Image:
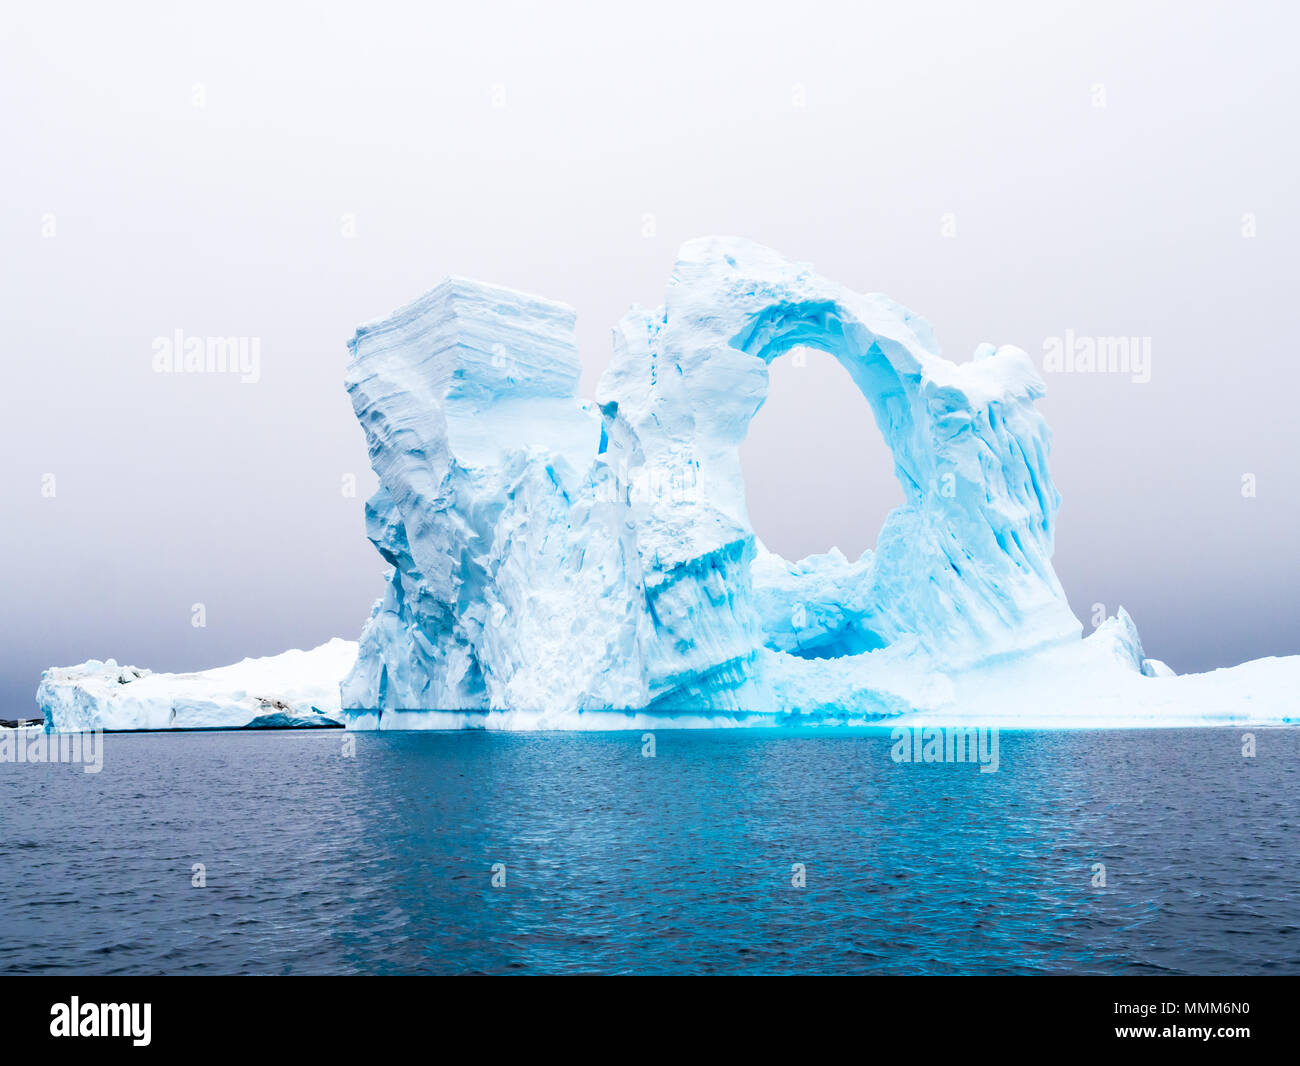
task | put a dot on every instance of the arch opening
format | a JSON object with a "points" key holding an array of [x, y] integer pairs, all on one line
{"points": [[818, 473]]}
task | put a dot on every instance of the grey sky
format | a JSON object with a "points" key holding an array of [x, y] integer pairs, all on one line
{"points": [[191, 166]]}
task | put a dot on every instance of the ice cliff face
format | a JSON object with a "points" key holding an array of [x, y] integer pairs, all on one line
{"points": [[551, 557]]}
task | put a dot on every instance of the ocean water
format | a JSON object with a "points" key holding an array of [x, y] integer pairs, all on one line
{"points": [[382, 862]]}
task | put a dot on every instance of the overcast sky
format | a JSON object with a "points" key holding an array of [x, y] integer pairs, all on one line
{"points": [[283, 172]]}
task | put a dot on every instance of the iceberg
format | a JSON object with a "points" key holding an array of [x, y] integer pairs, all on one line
{"points": [[562, 563], [555, 562], [292, 690]]}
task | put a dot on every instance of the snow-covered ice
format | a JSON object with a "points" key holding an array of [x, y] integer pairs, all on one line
{"points": [[296, 688]]}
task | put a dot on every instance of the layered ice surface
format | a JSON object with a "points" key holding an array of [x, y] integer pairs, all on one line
{"points": [[562, 563]]}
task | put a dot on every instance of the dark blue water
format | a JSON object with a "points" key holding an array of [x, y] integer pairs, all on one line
{"points": [[616, 863]]}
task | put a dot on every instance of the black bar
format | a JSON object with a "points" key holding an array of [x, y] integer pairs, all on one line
{"points": [[1244, 1016]]}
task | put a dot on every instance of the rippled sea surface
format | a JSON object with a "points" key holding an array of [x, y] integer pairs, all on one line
{"points": [[316, 862]]}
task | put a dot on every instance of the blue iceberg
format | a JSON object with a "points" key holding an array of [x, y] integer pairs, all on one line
{"points": [[562, 563]]}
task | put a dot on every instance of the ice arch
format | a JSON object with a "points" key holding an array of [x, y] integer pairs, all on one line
{"points": [[779, 329], [831, 606], [962, 568], [814, 607]]}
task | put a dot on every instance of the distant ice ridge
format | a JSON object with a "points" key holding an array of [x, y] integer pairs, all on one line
{"points": [[559, 563], [296, 688]]}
